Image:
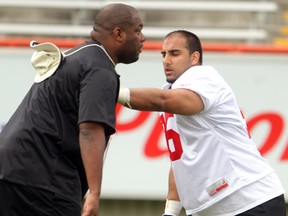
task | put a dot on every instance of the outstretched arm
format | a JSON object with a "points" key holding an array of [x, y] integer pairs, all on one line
{"points": [[177, 101]]}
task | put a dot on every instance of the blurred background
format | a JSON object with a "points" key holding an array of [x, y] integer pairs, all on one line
{"points": [[247, 41], [245, 21]]}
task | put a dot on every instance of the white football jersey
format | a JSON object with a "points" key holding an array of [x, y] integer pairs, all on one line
{"points": [[212, 153]]}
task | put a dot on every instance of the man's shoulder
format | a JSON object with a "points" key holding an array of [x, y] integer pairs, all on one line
{"points": [[83, 47]]}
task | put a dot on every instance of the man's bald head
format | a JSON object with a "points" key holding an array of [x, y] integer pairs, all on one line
{"points": [[118, 28], [114, 15]]}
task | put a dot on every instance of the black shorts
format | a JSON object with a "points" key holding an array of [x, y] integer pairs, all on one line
{"points": [[273, 207], [18, 200]]}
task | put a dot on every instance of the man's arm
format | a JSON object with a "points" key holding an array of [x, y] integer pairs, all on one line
{"points": [[173, 206], [92, 145], [172, 189], [176, 101]]}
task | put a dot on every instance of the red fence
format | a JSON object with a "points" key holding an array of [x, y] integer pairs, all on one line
{"points": [[151, 45]]}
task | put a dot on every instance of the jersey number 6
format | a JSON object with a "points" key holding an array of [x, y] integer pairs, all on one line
{"points": [[172, 137]]}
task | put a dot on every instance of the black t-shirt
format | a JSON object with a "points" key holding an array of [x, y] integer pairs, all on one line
{"points": [[39, 146]]}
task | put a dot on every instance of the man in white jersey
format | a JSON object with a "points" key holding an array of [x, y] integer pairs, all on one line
{"points": [[216, 169]]}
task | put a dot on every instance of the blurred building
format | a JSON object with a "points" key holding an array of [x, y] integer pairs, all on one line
{"points": [[245, 21]]}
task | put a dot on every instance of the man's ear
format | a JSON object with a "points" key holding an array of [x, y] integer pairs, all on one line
{"points": [[118, 34], [195, 58]]}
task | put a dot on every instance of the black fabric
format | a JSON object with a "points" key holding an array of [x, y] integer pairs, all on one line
{"points": [[273, 207], [39, 146], [18, 200]]}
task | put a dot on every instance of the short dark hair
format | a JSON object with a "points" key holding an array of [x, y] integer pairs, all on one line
{"points": [[193, 42]]}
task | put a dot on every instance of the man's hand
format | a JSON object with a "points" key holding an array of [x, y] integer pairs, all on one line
{"points": [[91, 205], [172, 208], [124, 96]]}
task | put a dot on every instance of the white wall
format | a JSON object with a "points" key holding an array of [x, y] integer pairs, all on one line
{"points": [[136, 165]]}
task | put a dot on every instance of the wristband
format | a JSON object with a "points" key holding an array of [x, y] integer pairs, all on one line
{"points": [[172, 207], [124, 96]]}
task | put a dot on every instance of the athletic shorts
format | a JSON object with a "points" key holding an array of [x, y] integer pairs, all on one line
{"points": [[18, 200], [275, 206]]}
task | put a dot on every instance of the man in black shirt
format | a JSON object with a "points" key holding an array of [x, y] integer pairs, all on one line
{"points": [[51, 150]]}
